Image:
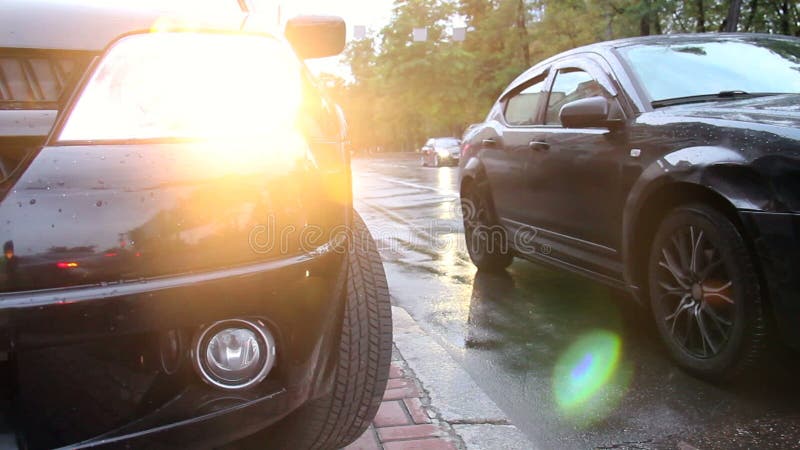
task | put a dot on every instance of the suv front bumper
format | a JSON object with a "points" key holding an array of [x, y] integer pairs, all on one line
{"points": [[89, 365]]}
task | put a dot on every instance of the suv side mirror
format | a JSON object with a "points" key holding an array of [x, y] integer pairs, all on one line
{"points": [[585, 113], [316, 36]]}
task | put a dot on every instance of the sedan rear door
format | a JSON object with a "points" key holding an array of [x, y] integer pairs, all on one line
{"points": [[507, 154]]}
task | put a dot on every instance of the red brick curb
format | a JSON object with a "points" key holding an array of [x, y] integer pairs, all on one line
{"points": [[403, 421]]}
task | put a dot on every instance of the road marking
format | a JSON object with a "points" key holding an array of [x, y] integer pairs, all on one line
{"points": [[450, 194]]}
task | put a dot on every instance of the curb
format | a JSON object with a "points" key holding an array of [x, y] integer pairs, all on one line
{"points": [[432, 403]]}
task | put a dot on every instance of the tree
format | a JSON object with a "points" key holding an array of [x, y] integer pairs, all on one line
{"points": [[402, 92], [731, 23]]}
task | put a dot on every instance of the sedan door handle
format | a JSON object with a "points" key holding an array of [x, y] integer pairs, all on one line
{"points": [[489, 142], [539, 146]]}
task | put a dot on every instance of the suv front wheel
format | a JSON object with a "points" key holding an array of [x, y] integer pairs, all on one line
{"points": [[705, 293], [365, 352]]}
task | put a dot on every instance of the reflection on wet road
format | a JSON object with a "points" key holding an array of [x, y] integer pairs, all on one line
{"points": [[573, 364]]}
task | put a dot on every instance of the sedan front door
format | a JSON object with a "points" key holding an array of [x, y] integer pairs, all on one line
{"points": [[573, 177]]}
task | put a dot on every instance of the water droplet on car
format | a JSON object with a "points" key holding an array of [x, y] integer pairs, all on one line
{"points": [[33, 201], [99, 203]]}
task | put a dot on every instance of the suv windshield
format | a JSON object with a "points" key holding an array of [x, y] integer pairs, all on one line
{"points": [[691, 69]]}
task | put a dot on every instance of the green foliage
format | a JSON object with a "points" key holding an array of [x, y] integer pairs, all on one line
{"points": [[403, 92]]}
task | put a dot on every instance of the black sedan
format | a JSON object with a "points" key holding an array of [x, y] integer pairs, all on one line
{"points": [[667, 167], [440, 151], [182, 266]]}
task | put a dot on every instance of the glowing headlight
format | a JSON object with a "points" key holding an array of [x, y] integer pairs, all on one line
{"points": [[234, 354], [443, 153], [188, 85]]}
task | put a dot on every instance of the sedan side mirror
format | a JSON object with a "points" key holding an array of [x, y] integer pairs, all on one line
{"points": [[585, 113], [316, 36]]}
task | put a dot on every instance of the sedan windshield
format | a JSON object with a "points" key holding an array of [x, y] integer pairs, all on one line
{"points": [[716, 69], [447, 142]]}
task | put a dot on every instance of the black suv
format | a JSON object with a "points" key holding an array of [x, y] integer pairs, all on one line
{"points": [[661, 166], [181, 262]]}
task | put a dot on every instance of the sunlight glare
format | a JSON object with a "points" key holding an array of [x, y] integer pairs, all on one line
{"points": [[177, 85]]}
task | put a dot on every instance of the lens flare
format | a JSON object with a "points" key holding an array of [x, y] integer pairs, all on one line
{"points": [[584, 371]]}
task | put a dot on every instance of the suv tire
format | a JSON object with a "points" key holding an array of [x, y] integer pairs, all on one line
{"points": [[365, 352]]}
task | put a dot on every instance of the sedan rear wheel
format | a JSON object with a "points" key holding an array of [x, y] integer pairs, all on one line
{"points": [[487, 241], [705, 294]]}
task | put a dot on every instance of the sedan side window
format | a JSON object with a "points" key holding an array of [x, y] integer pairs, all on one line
{"points": [[571, 85], [523, 108]]}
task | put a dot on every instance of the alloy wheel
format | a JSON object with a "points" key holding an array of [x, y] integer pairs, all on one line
{"points": [[695, 293]]}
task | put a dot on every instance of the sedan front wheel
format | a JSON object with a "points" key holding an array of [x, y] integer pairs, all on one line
{"points": [[705, 294]]}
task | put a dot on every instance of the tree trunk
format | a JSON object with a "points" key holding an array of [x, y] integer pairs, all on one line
{"points": [[656, 21], [751, 15], [522, 18], [785, 17], [731, 22], [701, 16]]}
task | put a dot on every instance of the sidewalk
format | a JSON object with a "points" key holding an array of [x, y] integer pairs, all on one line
{"points": [[431, 403], [405, 420]]}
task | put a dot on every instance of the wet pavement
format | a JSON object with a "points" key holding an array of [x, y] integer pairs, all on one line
{"points": [[572, 363]]}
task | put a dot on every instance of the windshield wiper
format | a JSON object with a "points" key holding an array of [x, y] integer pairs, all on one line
{"points": [[722, 95]]}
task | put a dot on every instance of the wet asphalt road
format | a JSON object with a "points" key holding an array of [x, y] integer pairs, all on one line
{"points": [[513, 333]]}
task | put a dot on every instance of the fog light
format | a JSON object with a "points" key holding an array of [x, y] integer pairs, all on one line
{"points": [[234, 354]]}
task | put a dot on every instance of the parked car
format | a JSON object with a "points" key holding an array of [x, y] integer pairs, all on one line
{"points": [[440, 151], [182, 266], [660, 166]]}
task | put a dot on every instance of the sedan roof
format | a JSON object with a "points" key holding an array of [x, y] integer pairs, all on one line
{"points": [[606, 47], [43, 24]]}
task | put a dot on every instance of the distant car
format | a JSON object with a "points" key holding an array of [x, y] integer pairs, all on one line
{"points": [[441, 151], [182, 266], [667, 167]]}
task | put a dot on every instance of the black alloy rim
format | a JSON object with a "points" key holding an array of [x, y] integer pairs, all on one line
{"points": [[695, 293]]}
